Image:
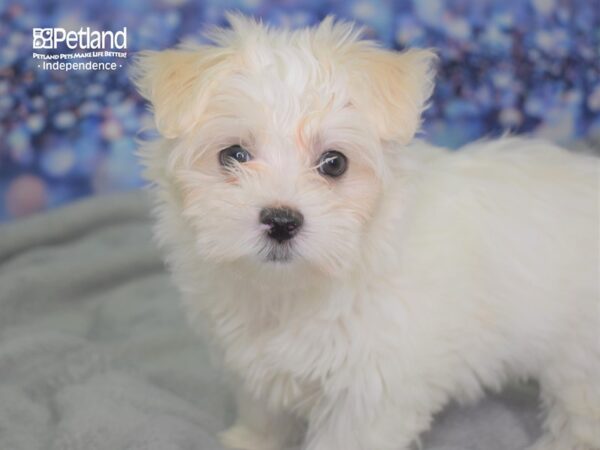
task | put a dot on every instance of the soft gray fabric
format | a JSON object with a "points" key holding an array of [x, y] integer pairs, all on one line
{"points": [[95, 353]]}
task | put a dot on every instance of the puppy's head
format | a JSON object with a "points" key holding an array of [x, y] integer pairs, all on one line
{"points": [[275, 143]]}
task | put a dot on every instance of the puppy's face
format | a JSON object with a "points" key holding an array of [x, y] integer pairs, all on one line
{"points": [[276, 141]]}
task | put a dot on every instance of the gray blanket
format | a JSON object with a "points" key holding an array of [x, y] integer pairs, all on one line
{"points": [[95, 353]]}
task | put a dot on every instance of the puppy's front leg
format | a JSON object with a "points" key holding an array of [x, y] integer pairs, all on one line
{"points": [[366, 416], [256, 428]]}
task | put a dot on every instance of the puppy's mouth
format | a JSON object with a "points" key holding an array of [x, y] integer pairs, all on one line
{"points": [[278, 253]]}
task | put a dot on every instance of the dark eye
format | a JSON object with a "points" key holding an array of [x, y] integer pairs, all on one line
{"points": [[230, 155], [332, 163]]}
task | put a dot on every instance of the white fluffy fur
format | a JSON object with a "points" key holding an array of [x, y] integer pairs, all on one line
{"points": [[421, 275]]}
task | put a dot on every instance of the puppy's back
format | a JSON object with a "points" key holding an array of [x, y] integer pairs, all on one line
{"points": [[512, 222]]}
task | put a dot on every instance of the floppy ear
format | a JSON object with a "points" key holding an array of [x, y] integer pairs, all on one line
{"points": [[178, 84], [393, 89]]}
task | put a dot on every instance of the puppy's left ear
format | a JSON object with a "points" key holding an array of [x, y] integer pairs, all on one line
{"points": [[393, 88], [178, 84]]}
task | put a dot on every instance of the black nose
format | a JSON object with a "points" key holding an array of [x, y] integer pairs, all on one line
{"points": [[283, 223]]}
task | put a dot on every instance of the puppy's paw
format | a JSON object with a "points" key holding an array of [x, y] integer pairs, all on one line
{"points": [[241, 437]]}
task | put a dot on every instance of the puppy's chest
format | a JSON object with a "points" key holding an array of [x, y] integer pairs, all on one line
{"points": [[287, 363]]}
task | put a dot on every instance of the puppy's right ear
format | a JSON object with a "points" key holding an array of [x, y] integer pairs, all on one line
{"points": [[178, 84]]}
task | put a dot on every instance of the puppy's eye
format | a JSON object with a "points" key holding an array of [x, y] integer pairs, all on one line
{"points": [[332, 163], [228, 156]]}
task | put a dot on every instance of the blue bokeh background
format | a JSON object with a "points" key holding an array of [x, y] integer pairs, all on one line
{"points": [[526, 66]]}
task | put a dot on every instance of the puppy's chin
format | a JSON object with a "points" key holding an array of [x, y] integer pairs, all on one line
{"points": [[277, 269], [279, 253], [284, 256], [291, 262], [294, 259]]}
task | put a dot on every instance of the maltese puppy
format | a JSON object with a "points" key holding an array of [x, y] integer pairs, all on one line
{"points": [[356, 280]]}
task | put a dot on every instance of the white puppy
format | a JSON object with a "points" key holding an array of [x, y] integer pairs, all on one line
{"points": [[355, 281]]}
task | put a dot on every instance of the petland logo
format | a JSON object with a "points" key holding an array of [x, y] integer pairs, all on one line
{"points": [[95, 44], [85, 38]]}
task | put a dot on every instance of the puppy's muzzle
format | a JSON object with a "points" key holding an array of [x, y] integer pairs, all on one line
{"points": [[283, 223]]}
